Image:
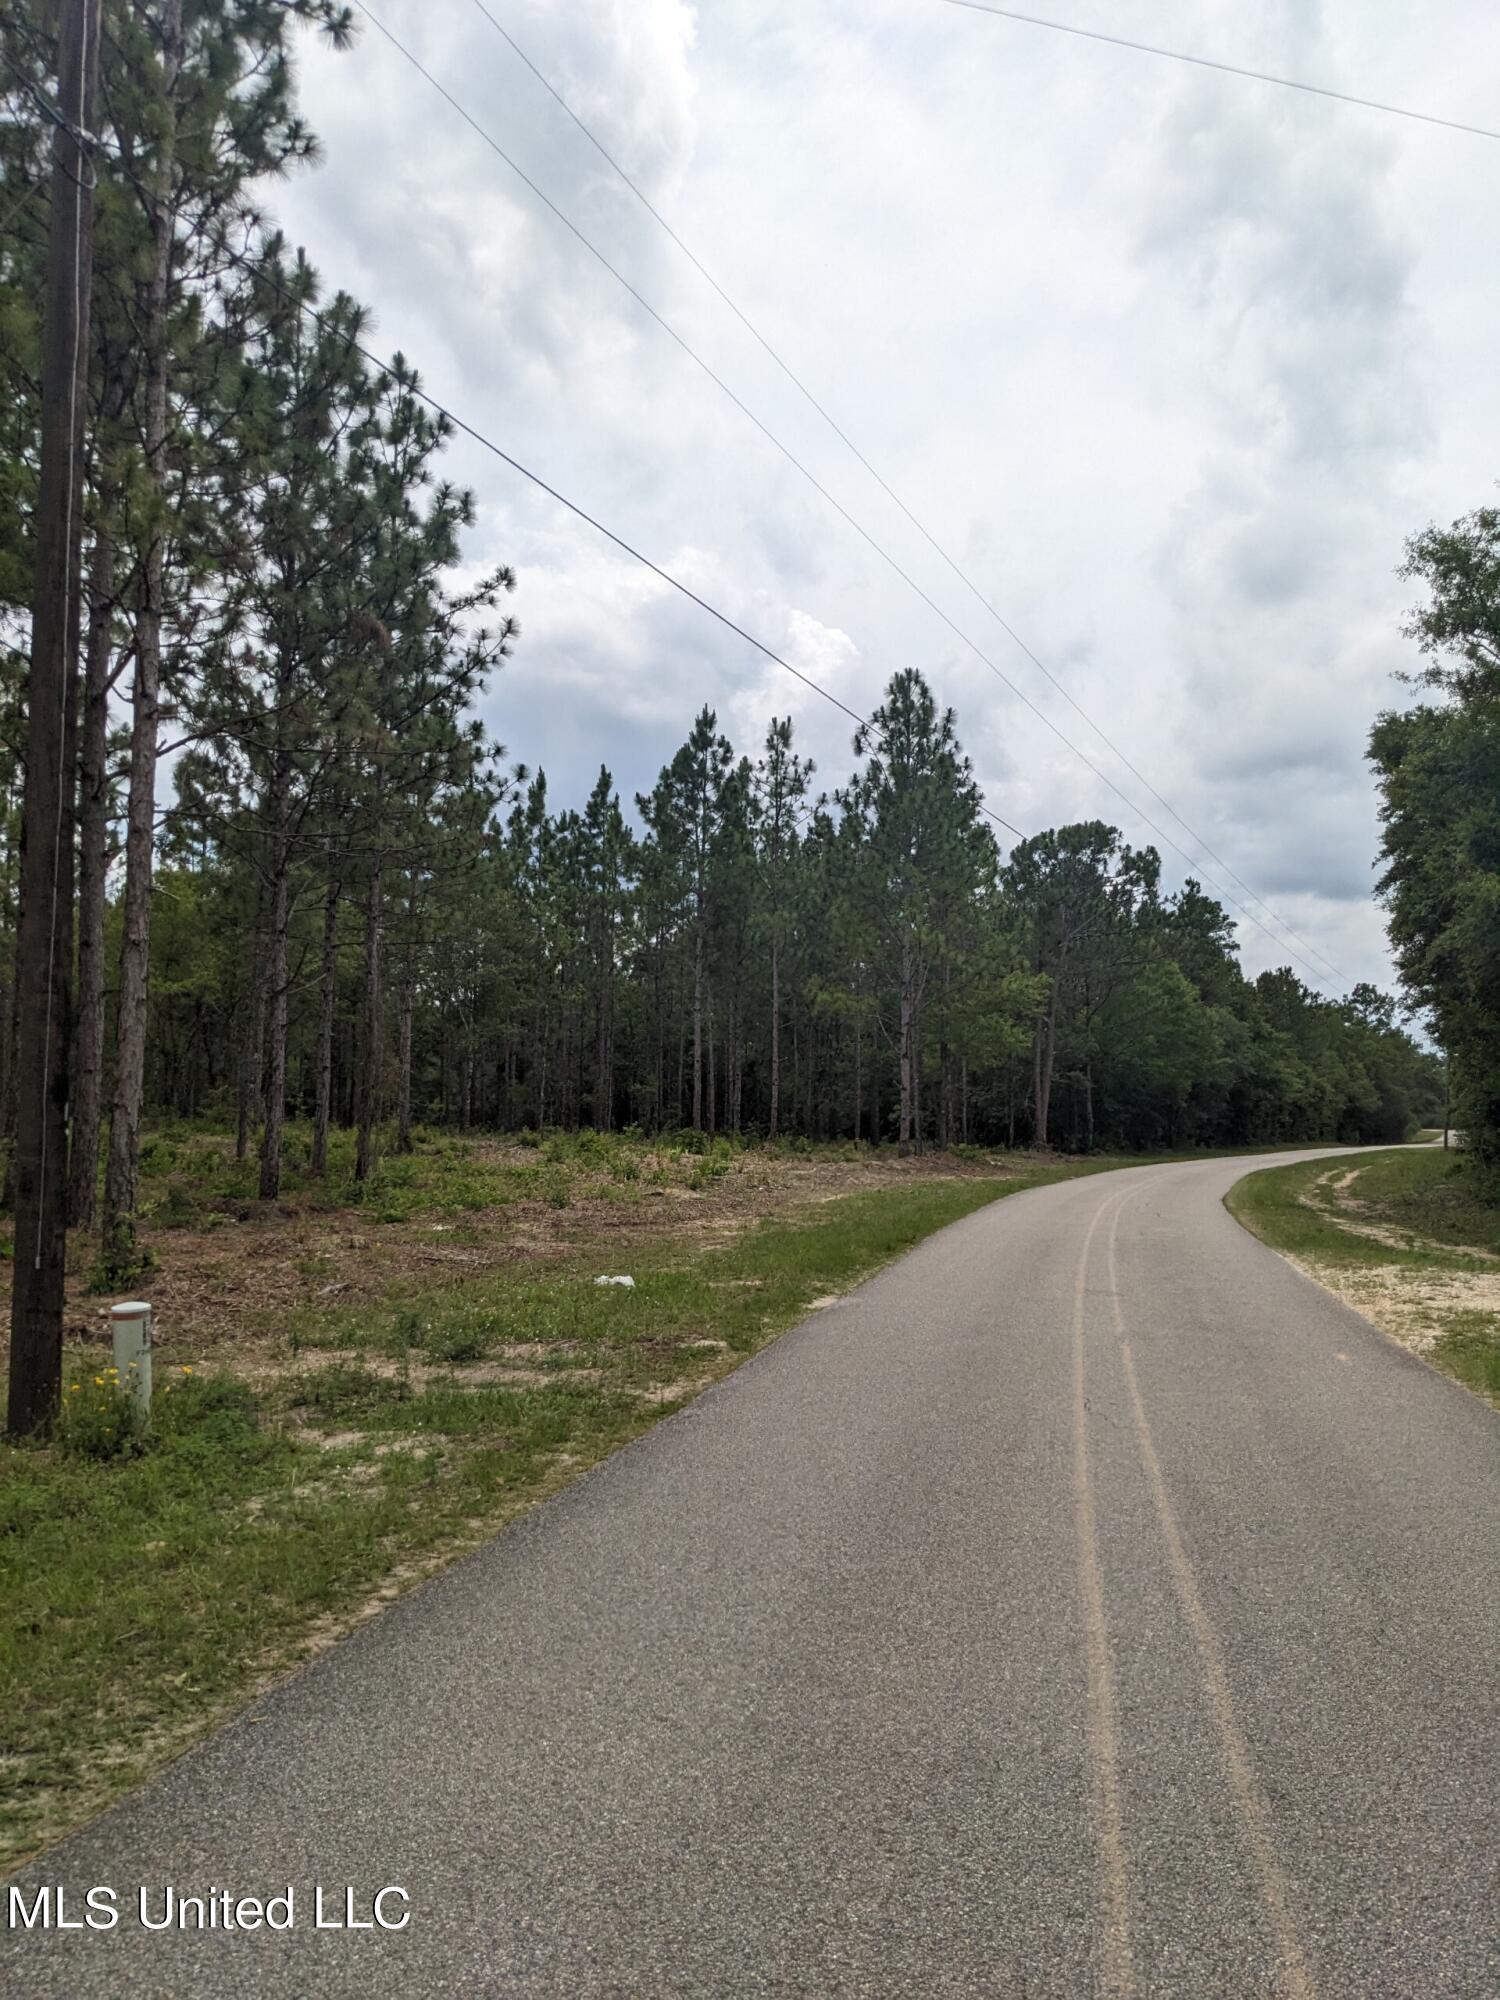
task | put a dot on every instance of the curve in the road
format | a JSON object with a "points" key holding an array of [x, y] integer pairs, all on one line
{"points": [[1089, 1604]]}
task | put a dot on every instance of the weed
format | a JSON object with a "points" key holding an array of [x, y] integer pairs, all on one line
{"points": [[100, 1418], [345, 1386], [1470, 1349], [456, 1344]]}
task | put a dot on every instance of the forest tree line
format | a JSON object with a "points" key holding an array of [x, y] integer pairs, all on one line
{"points": [[348, 906], [744, 956]]}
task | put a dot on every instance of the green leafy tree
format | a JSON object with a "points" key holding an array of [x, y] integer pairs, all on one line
{"points": [[1438, 766]]}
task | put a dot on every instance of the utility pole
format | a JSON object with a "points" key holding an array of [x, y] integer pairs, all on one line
{"points": [[44, 946]]}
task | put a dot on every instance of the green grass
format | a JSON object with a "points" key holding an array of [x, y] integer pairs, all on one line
{"points": [[148, 1591], [1470, 1349], [1434, 1195], [1422, 1195], [1426, 1200], [190, 1178]]}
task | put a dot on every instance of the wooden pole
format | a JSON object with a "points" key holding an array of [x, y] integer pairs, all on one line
{"points": [[44, 946]]}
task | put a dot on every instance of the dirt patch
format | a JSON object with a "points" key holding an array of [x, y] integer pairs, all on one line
{"points": [[231, 1290], [673, 1392], [1414, 1307], [420, 1373], [1355, 1215]]}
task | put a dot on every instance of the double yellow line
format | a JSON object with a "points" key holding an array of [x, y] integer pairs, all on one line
{"points": [[1116, 1957]]}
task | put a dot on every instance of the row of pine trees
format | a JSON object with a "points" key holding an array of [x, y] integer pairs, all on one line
{"points": [[308, 885], [742, 954]]}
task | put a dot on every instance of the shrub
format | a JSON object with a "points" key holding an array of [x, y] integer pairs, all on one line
{"points": [[100, 1418], [455, 1343]]}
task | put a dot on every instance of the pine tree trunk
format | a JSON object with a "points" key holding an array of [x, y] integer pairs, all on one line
{"points": [[44, 934], [255, 1021], [404, 1029], [327, 995], [774, 1123], [908, 1094], [86, 1094], [403, 1079], [736, 1069], [274, 1108], [604, 1053], [542, 1045], [12, 1031], [917, 1134], [858, 1057], [369, 1075], [712, 1098], [1043, 1053], [8, 1079], [122, 1171], [698, 1019]]}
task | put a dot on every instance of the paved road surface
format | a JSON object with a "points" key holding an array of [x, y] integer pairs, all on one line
{"points": [[1087, 1606]]}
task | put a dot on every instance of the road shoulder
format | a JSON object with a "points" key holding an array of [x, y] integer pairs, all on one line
{"points": [[1403, 1238]]}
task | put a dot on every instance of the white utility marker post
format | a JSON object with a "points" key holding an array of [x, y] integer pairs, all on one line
{"points": [[131, 1325]]}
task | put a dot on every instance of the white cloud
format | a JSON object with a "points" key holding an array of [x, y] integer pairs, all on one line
{"points": [[1171, 363]]}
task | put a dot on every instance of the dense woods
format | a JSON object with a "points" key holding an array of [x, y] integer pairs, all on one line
{"points": [[865, 965], [310, 888], [1439, 771]]}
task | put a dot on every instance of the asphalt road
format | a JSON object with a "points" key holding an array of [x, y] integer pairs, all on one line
{"points": [[1089, 1605]]}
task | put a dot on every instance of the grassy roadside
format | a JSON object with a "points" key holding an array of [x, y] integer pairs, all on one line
{"points": [[1403, 1238], [288, 1495], [355, 1385]]}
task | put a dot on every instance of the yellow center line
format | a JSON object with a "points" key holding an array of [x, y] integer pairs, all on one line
{"points": [[1117, 1968], [1250, 1803]]}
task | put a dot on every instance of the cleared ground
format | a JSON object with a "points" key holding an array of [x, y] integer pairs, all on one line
{"points": [[357, 1384]]}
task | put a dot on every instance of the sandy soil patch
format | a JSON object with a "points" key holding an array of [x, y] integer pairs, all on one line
{"points": [[1414, 1307]]}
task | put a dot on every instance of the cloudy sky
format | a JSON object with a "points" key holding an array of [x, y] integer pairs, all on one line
{"points": [[1169, 363]]}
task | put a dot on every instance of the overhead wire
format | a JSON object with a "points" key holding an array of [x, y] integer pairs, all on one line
{"points": [[786, 369], [1224, 68], [666, 576], [494, 145], [413, 387]]}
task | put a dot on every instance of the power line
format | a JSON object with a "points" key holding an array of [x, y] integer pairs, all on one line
{"points": [[973, 646], [656, 569], [1224, 68], [84, 182], [306, 307], [479, 437], [754, 331]]}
